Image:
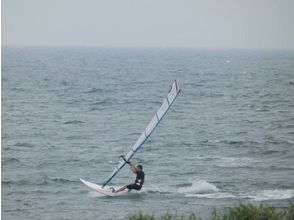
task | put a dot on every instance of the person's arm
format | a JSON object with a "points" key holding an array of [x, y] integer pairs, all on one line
{"points": [[133, 168]]}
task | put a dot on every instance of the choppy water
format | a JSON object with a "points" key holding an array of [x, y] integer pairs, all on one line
{"points": [[69, 113]]}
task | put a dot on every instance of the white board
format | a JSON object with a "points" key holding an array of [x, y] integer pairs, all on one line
{"points": [[104, 190]]}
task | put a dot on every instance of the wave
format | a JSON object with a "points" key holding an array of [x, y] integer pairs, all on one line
{"points": [[236, 162], [263, 195], [14, 182], [204, 189], [16, 89], [45, 180], [100, 102], [155, 189], [94, 90], [73, 122], [229, 161], [48, 181], [10, 160], [199, 187], [270, 152], [19, 144], [218, 195], [276, 194], [63, 180], [232, 142]]}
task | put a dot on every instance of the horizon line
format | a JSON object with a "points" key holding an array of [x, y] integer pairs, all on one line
{"points": [[143, 47]]}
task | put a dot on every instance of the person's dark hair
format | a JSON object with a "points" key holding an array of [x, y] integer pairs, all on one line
{"points": [[140, 166]]}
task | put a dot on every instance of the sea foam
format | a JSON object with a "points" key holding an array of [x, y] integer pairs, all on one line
{"points": [[199, 187], [276, 194]]}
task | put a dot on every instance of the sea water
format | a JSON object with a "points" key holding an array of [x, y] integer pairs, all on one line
{"points": [[69, 113]]}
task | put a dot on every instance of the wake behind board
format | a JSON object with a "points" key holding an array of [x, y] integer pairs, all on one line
{"points": [[104, 190]]}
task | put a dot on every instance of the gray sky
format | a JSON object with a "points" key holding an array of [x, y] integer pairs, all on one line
{"points": [[149, 23]]}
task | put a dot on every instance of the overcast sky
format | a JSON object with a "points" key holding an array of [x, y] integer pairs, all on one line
{"points": [[149, 23]]}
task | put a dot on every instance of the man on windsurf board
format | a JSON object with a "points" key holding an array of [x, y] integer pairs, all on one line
{"points": [[137, 185]]}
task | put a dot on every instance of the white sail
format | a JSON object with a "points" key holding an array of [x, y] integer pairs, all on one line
{"points": [[167, 102]]}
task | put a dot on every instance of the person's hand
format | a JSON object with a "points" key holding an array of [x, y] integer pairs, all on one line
{"points": [[124, 158]]}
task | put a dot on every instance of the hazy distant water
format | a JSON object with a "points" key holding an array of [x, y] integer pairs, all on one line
{"points": [[69, 113]]}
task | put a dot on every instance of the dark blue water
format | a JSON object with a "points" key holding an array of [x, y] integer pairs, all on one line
{"points": [[70, 113]]}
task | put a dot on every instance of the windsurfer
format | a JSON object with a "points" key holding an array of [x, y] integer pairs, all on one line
{"points": [[137, 185]]}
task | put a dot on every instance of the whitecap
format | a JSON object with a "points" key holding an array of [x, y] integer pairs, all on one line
{"points": [[276, 194], [199, 187], [218, 195]]}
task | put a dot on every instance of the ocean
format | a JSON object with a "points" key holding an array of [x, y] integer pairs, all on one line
{"points": [[69, 113]]}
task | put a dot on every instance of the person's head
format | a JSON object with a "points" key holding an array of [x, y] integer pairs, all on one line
{"points": [[139, 168]]}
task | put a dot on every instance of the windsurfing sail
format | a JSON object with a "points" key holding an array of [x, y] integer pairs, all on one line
{"points": [[167, 102]]}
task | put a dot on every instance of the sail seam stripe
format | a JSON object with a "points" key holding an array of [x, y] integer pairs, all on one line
{"points": [[157, 117], [167, 100]]}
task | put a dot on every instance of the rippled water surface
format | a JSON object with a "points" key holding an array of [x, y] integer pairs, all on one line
{"points": [[70, 113]]}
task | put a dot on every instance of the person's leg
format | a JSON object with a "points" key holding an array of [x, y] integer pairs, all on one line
{"points": [[119, 190]]}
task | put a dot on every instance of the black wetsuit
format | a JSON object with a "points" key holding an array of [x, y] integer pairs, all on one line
{"points": [[137, 185]]}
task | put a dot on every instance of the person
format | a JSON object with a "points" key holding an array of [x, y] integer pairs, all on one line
{"points": [[137, 185]]}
